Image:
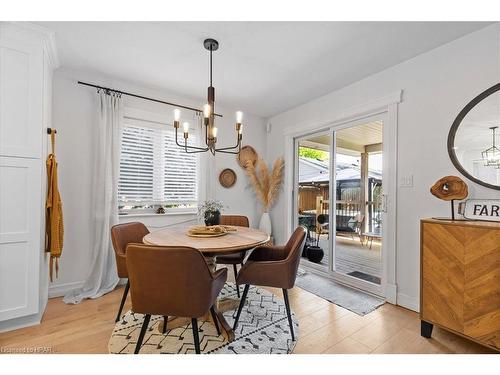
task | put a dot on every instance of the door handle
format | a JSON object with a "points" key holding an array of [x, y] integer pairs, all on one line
{"points": [[384, 203]]}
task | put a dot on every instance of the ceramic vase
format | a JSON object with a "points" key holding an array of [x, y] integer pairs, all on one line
{"points": [[265, 223]]}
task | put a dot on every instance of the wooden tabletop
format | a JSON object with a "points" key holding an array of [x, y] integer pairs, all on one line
{"points": [[233, 242]]}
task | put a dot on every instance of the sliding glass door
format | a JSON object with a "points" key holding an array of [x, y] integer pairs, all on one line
{"points": [[343, 211], [313, 163]]}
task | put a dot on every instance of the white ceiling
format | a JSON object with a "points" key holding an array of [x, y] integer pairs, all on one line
{"points": [[354, 138], [261, 67]]}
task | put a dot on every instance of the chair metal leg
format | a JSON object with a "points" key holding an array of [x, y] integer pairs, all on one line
{"points": [[194, 324], [124, 298], [214, 318], [235, 269], [144, 327], [165, 320], [240, 307], [288, 312]]}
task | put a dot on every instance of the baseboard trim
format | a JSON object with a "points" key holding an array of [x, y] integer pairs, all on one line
{"points": [[411, 303], [22, 322], [62, 289], [391, 293]]}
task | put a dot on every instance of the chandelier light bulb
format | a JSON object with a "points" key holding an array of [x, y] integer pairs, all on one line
{"points": [[239, 117], [206, 110], [494, 157], [186, 127], [177, 114]]}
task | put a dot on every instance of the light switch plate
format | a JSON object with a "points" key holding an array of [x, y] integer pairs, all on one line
{"points": [[406, 181]]}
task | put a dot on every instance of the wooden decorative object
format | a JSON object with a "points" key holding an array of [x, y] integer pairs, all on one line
{"points": [[227, 178], [450, 188], [209, 231], [460, 268], [247, 154], [206, 235]]}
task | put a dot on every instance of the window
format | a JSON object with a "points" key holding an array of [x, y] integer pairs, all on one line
{"points": [[154, 171]]}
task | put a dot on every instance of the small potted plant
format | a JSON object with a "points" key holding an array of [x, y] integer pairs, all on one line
{"points": [[210, 212]]}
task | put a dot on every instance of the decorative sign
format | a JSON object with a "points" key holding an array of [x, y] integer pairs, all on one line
{"points": [[480, 209]]}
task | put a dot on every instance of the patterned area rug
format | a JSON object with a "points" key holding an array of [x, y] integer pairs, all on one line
{"points": [[262, 329]]}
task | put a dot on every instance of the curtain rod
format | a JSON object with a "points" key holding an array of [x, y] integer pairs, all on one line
{"points": [[143, 97]]}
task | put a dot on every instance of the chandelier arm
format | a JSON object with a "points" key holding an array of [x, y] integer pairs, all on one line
{"points": [[227, 148], [195, 152], [195, 149], [186, 145], [238, 144], [227, 152]]}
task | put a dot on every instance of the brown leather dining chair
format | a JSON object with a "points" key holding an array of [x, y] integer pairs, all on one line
{"points": [[237, 258], [172, 281], [273, 266], [121, 236]]}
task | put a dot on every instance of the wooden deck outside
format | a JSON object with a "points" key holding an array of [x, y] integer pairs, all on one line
{"points": [[352, 256]]}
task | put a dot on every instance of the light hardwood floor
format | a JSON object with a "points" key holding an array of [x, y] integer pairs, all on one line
{"points": [[324, 328]]}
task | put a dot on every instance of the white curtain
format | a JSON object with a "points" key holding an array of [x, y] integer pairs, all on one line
{"points": [[103, 277]]}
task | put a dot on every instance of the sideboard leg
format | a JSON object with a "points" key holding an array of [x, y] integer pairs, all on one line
{"points": [[426, 329]]}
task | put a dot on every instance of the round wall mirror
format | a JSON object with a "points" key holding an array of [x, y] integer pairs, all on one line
{"points": [[474, 139]]}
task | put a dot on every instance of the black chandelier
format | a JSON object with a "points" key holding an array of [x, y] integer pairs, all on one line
{"points": [[491, 156], [208, 119]]}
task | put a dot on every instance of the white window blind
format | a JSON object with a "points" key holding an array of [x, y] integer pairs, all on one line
{"points": [[153, 169]]}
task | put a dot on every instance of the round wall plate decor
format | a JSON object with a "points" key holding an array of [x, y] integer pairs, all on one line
{"points": [[227, 178], [247, 154]]}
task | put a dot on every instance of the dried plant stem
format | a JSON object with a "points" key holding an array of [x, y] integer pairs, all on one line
{"points": [[266, 185]]}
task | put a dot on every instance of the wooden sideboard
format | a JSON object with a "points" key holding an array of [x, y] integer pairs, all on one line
{"points": [[460, 279]]}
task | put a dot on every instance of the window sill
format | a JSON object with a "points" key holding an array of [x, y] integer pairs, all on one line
{"points": [[152, 214]]}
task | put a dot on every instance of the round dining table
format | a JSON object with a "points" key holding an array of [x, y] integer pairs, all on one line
{"points": [[241, 239]]}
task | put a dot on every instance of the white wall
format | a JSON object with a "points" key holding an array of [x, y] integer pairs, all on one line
{"points": [[73, 113], [436, 85]]}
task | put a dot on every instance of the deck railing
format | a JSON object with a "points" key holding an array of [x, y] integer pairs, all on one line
{"points": [[345, 211]]}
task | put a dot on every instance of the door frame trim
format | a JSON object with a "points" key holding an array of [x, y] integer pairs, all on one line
{"points": [[387, 104]]}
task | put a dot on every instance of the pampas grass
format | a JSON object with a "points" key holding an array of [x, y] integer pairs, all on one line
{"points": [[265, 184]]}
